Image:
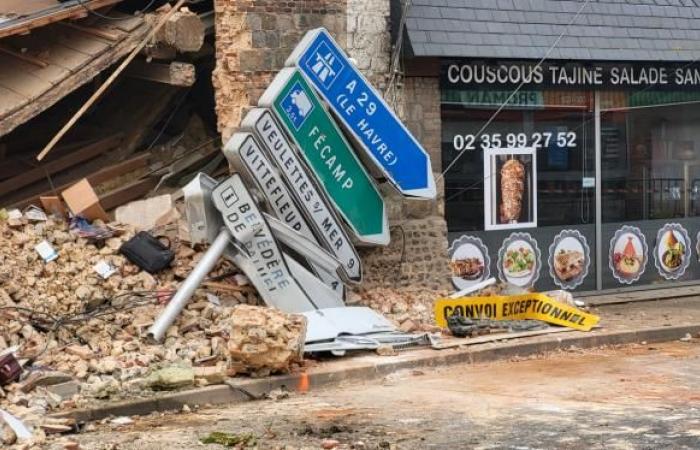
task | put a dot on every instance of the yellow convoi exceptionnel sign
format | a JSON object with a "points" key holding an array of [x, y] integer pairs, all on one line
{"points": [[515, 307]]}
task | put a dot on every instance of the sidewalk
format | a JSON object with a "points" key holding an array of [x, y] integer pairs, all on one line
{"points": [[653, 321]]}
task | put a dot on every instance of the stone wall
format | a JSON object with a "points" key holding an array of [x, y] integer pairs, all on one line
{"points": [[369, 39], [253, 40], [424, 249]]}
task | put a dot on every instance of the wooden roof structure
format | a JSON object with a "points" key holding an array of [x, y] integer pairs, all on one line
{"points": [[21, 16], [40, 68]]}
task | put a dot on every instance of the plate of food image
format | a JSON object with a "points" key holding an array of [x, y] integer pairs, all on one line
{"points": [[569, 259], [469, 261], [628, 254], [627, 262], [672, 250], [519, 261], [468, 268], [568, 264]]}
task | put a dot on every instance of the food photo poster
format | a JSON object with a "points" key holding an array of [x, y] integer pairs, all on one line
{"points": [[510, 188]]}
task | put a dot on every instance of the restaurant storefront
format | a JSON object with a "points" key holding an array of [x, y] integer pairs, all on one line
{"points": [[587, 178]]}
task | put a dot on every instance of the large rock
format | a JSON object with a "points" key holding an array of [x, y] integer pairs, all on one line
{"points": [[264, 340], [173, 377]]}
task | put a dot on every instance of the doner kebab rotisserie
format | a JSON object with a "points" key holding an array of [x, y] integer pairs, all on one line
{"points": [[512, 188]]}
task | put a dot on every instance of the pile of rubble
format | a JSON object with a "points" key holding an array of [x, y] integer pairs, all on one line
{"points": [[81, 336], [410, 309]]}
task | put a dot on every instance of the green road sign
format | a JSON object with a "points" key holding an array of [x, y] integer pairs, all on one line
{"points": [[329, 155]]}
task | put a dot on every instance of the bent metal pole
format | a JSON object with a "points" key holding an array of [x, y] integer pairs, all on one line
{"points": [[180, 299]]}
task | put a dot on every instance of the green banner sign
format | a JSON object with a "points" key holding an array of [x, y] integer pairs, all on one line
{"points": [[329, 155]]}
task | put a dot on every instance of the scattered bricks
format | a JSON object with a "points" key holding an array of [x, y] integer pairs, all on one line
{"points": [[170, 378], [81, 351], [210, 375], [264, 340], [65, 390], [43, 379], [386, 350], [329, 444], [7, 435]]}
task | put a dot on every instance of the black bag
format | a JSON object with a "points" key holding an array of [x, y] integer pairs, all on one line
{"points": [[147, 252]]}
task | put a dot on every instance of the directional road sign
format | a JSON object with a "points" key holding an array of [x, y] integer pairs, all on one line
{"points": [[247, 225], [364, 114], [313, 201], [329, 155], [246, 154]]}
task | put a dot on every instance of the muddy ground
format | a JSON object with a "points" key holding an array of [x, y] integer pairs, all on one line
{"points": [[632, 397]]}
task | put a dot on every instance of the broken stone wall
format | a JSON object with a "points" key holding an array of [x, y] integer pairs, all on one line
{"points": [[254, 38]]}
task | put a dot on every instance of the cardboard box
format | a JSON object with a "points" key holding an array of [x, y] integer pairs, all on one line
{"points": [[83, 201], [53, 205]]}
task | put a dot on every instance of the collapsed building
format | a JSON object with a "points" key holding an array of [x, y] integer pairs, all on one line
{"points": [[75, 311]]}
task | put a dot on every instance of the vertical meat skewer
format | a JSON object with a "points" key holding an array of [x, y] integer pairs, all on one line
{"points": [[512, 189]]}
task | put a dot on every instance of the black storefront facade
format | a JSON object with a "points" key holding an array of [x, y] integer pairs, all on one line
{"points": [[574, 173]]}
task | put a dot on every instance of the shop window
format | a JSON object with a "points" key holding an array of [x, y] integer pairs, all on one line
{"points": [[565, 146], [520, 200], [651, 161]]}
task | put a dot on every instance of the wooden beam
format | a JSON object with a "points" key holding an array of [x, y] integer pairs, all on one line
{"points": [[183, 30], [70, 160], [24, 57], [175, 74], [125, 194], [45, 17], [99, 32], [161, 22], [106, 174]]}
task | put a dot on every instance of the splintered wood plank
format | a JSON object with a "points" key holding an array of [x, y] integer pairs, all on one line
{"points": [[83, 70], [70, 160], [26, 57], [24, 7], [40, 18], [26, 84], [67, 58], [74, 39], [51, 74], [96, 177], [129, 24], [104, 31], [124, 194], [10, 100], [53, 52]]}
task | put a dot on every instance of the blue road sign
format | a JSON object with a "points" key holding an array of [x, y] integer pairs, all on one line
{"points": [[364, 114]]}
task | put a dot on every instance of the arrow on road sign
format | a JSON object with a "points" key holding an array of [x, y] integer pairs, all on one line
{"points": [[364, 114], [313, 201], [329, 156]]}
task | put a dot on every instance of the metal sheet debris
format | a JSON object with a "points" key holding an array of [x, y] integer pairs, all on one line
{"points": [[327, 324]]}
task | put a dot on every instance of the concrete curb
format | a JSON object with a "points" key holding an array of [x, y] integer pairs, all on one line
{"points": [[249, 389]]}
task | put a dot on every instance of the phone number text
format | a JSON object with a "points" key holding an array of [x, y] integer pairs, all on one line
{"points": [[468, 142]]}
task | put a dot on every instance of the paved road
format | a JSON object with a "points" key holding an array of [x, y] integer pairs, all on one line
{"points": [[635, 397]]}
